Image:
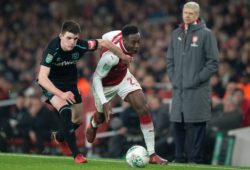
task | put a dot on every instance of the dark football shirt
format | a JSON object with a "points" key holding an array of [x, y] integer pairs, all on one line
{"points": [[62, 64]]}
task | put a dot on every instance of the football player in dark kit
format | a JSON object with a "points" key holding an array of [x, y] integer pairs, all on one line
{"points": [[58, 78]]}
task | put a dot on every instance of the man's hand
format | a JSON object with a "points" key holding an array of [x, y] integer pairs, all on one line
{"points": [[107, 111], [116, 50], [68, 96], [126, 59]]}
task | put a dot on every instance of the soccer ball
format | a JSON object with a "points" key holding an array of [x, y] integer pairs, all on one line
{"points": [[137, 156]]}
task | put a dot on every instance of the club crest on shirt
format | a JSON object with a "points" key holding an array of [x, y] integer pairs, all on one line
{"points": [[194, 41], [75, 56], [49, 58], [58, 59]]}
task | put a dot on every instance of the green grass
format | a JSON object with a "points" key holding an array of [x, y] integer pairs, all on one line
{"points": [[36, 162]]}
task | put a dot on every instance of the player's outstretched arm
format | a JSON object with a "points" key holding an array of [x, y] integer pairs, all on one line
{"points": [[114, 49], [105, 64], [97, 83]]}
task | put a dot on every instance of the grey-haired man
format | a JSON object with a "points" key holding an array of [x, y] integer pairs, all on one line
{"points": [[191, 60]]}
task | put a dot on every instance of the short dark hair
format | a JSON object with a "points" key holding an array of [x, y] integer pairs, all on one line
{"points": [[71, 26], [129, 29]]}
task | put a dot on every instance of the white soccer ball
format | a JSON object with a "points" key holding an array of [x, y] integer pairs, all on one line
{"points": [[137, 156]]}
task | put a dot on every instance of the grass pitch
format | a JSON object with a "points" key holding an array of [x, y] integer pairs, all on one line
{"points": [[36, 162]]}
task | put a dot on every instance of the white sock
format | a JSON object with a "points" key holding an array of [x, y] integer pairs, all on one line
{"points": [[149, 137], [94, 124]]}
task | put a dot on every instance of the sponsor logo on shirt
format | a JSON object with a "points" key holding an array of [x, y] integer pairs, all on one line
{"points": [[65, 63], [75, 56]]}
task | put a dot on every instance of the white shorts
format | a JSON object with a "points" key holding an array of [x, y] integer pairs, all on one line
{"points": [[127, 85]]}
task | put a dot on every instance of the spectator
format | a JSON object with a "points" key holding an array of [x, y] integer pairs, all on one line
{"points": [[243, 105], [4, 113], [228, 118], [36, 125], [19, 111], [225, 116]]}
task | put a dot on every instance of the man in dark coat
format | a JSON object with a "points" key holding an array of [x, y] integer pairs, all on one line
{"points": [[191, 60]]}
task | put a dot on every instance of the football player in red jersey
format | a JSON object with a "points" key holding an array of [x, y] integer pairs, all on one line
{"points": [[112, 77]]}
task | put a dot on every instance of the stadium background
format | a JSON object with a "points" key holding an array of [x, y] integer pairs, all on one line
{"points": [[27, 26]]}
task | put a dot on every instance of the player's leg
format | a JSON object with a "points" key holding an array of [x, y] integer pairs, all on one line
{"points": [[77, 110], [131, 91], [99, 117], [76, 117], [76, 122], [56, 136], [65, 114], [138, 102]]}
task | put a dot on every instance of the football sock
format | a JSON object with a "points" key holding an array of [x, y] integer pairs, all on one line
{"points": [[59, 136], [94, 121], [148, 132], [59, 133], [68, 129], [97, 120]]}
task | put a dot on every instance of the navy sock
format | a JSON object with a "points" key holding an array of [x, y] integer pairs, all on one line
{"points": [[59, 134], [68, 129]]}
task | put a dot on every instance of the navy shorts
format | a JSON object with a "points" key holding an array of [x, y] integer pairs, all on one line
{"points": [[74, 90]]}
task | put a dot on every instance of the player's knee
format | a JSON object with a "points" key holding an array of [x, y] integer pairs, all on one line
{"points": [[65, 110], [65, 113]]}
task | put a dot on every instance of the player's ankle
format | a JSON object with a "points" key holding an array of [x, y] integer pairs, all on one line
{"points": [[93, 123]]}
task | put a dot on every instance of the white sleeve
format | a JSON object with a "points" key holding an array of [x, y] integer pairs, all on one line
{"points": [[107, 61], [109, 35]]}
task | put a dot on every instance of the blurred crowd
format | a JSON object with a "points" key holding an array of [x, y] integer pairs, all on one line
{"points": [[27, 26], [28, 124]]}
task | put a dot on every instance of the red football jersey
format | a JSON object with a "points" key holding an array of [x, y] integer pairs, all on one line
{"points": [[118, 72]]}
